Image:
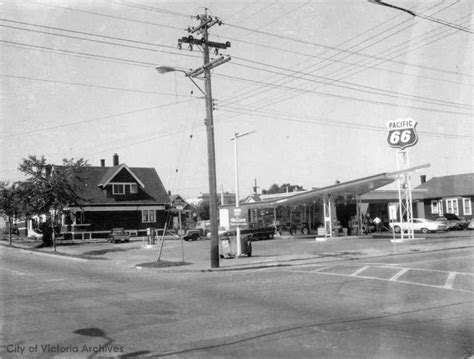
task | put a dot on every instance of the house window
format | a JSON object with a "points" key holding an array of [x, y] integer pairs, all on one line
{"points": [[466, 206], [452, 206], [148, 216], [118, 188], [133, 188], [434, 207]]}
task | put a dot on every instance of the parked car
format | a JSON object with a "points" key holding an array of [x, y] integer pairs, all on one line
{"points": [[471, 224], [193, 234], [420, 225], [452, 221], [463, 222], [14, 229], [118, 235]]}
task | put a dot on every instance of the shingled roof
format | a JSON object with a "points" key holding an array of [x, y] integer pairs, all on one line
{"points": [[449, 186], [89, 178]]}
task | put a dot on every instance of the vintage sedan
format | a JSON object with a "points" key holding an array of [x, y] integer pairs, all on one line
{"points": [[118, 235], [420, 225]]}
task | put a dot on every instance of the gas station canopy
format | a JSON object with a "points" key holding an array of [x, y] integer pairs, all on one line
{"points": [[351, 188]]}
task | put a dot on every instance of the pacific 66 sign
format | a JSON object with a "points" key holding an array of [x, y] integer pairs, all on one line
{"points": [[402, 133]]}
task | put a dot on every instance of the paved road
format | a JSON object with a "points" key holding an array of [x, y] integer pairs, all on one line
{"points": [[408, 306]]}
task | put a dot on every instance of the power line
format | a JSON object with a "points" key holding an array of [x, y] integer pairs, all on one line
{"points": [[275, 100], [87, 85], [110, 16], [357, 87], [97, 41], [77, 53], [324, 78], [86, 33], [341, 96], [354, 64], [326, 121], [91, 120], [155, 9], [387, 36], [341, 50], [426, 17], [394, 52]]}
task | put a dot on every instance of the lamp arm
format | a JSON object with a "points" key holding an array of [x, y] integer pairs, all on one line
{"points": [[195, 84]]}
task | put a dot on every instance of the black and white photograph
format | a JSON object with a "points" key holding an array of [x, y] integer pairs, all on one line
{"points": [[236, 179]]}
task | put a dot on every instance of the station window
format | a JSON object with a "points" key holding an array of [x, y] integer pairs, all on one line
{"points": [[148, 216], [452, 206], [466, 206]]}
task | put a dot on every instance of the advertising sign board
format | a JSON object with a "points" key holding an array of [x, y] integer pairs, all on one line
{"points": [[392, 211], [402, 133]]}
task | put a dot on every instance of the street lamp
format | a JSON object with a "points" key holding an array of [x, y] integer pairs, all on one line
{"points": [[236, 136], [165, 69], [210, 152]]}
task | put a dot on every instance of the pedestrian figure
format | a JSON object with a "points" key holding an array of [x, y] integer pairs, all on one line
{"points": [[377, 223]]}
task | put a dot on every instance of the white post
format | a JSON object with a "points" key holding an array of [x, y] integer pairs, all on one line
{"points": [[237, 135], [239, 246], [181, 234]]}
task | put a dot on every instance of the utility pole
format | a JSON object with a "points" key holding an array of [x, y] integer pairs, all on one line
{"points": [[206, 22], [255, 187]]}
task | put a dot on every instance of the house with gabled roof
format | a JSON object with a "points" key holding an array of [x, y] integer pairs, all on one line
{"points": [[133, 198], [448, 194]]}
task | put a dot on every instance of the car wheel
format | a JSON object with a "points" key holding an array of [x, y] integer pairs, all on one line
{"points": [[292, 231], [250, 250], [424, 230], [396, 229], [305, 230], [195, 237]]}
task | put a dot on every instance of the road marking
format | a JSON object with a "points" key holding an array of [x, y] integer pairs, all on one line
{"points": [[323, 268], [358, 271], [385, 280], [13, 271], [450, 280], [437, 259], [399, 274]]}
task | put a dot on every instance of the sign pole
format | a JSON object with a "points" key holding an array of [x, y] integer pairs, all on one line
{"points": [[402, 134], [181, 233]]}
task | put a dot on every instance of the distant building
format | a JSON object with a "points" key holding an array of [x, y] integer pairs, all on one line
{"points": [[223, 199], [448, 194]]}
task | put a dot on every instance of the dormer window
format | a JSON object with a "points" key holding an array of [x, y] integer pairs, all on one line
{"points": [[124, 188], [118, 188]]}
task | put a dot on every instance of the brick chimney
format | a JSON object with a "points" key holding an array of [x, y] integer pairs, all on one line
{"points": [[116, 159], [102, 163], [423, 179]]}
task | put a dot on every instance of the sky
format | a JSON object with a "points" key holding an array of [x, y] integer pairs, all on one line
{"points": [[317, 82]]}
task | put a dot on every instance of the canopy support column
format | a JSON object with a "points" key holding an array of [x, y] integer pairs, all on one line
{"points": [[327, 199]]}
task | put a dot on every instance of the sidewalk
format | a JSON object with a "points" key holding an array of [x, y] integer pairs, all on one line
{"points": [[282, 251]]}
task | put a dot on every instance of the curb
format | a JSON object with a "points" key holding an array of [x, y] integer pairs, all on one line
{"points": [[42, 253], [284, 263]]}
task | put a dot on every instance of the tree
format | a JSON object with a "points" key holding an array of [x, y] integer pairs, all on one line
{"points": [[11, 204], [50, 189], [285, 187], [202, 210]]}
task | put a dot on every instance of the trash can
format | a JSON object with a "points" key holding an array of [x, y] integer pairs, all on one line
{"points": [[246, 244], [225, 246]]}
